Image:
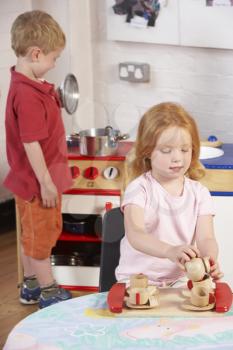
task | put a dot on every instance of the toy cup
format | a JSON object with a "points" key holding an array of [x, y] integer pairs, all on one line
{"points": [[205, 283], [199, 296]]}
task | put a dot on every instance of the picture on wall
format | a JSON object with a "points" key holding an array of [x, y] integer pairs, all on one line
{"points": [[219, 2], [138, 13], [148, 21]]}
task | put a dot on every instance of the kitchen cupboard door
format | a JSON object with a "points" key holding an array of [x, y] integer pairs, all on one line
{"points": [[205, 26], [223, 225], [165, 30]]}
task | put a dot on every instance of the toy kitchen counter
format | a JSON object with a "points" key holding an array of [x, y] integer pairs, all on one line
{"points": [[219, 180], [219, 172]]}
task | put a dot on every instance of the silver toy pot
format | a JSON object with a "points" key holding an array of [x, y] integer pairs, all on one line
{"points": [[99, 142]]}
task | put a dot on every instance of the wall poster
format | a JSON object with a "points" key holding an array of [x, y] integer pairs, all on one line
{"points": [[141, 13], [151, 21]]}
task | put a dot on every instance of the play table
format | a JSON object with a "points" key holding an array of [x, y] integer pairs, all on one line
{"points": [[86, 323]]}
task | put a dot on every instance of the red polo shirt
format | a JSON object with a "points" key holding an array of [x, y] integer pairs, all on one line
{"points": [[33, 113]]}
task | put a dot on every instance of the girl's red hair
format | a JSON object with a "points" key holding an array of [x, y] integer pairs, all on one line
{"points": [[152, 124]]}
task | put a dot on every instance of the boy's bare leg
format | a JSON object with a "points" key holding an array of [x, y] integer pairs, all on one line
{"points": [[40, 268], [43, 271], [27, 268]]}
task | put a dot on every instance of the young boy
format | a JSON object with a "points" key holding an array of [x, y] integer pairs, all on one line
{"points": [[36, 151]]}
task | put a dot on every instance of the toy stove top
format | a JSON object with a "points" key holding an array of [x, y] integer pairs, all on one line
{"points": [[98, 174]]}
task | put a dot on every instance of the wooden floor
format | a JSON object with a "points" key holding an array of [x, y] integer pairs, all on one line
{"points": [[11, 311]]}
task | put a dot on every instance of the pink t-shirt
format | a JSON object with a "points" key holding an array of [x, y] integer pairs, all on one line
{"points": [[171, 219]]}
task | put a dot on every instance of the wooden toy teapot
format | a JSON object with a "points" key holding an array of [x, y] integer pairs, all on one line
{"points": [[200, 283], [197, 268]]}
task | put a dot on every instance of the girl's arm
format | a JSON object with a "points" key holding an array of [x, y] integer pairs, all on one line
{"points": [[148, 244], [48, 190], [206, 242]]}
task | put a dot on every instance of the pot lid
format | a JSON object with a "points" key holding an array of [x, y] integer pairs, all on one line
{"points": [[69, 93]]}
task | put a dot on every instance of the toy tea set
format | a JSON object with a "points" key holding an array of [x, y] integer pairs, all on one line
{"points": [[201, 293]]}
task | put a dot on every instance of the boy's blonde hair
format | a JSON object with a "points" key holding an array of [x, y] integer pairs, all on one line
{"points": [[36, 28], [153, 123]]}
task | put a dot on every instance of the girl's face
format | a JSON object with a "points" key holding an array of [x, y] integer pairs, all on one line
{"points": [[172, 154]]}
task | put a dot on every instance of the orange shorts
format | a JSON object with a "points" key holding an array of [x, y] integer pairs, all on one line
{"points": [[40, 227]]}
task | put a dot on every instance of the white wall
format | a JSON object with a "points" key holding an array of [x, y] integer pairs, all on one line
{"points": [[200, 79], [82, 64]]}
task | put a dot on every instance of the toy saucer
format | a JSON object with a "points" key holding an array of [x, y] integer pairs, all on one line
{"points": [[191, 307]]}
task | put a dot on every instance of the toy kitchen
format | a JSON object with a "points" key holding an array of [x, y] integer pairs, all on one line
{"points": [[99, 181]]}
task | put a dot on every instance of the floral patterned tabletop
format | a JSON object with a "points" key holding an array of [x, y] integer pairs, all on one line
{"points": [[85, 323]]}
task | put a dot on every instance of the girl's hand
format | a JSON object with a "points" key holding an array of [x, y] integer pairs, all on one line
{"points": [[215, 272], [182, 253]]}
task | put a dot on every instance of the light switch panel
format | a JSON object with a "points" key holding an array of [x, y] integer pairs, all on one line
{"points": [[134, 72]]}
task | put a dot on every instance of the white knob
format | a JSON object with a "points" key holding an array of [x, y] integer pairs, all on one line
{"points": [[111, 173]]}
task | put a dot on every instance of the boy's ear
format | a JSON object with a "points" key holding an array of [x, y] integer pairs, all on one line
{"points": [[35, 53]]}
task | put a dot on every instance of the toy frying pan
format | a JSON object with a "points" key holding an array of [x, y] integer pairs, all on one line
{"points": [[69, 93]]}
